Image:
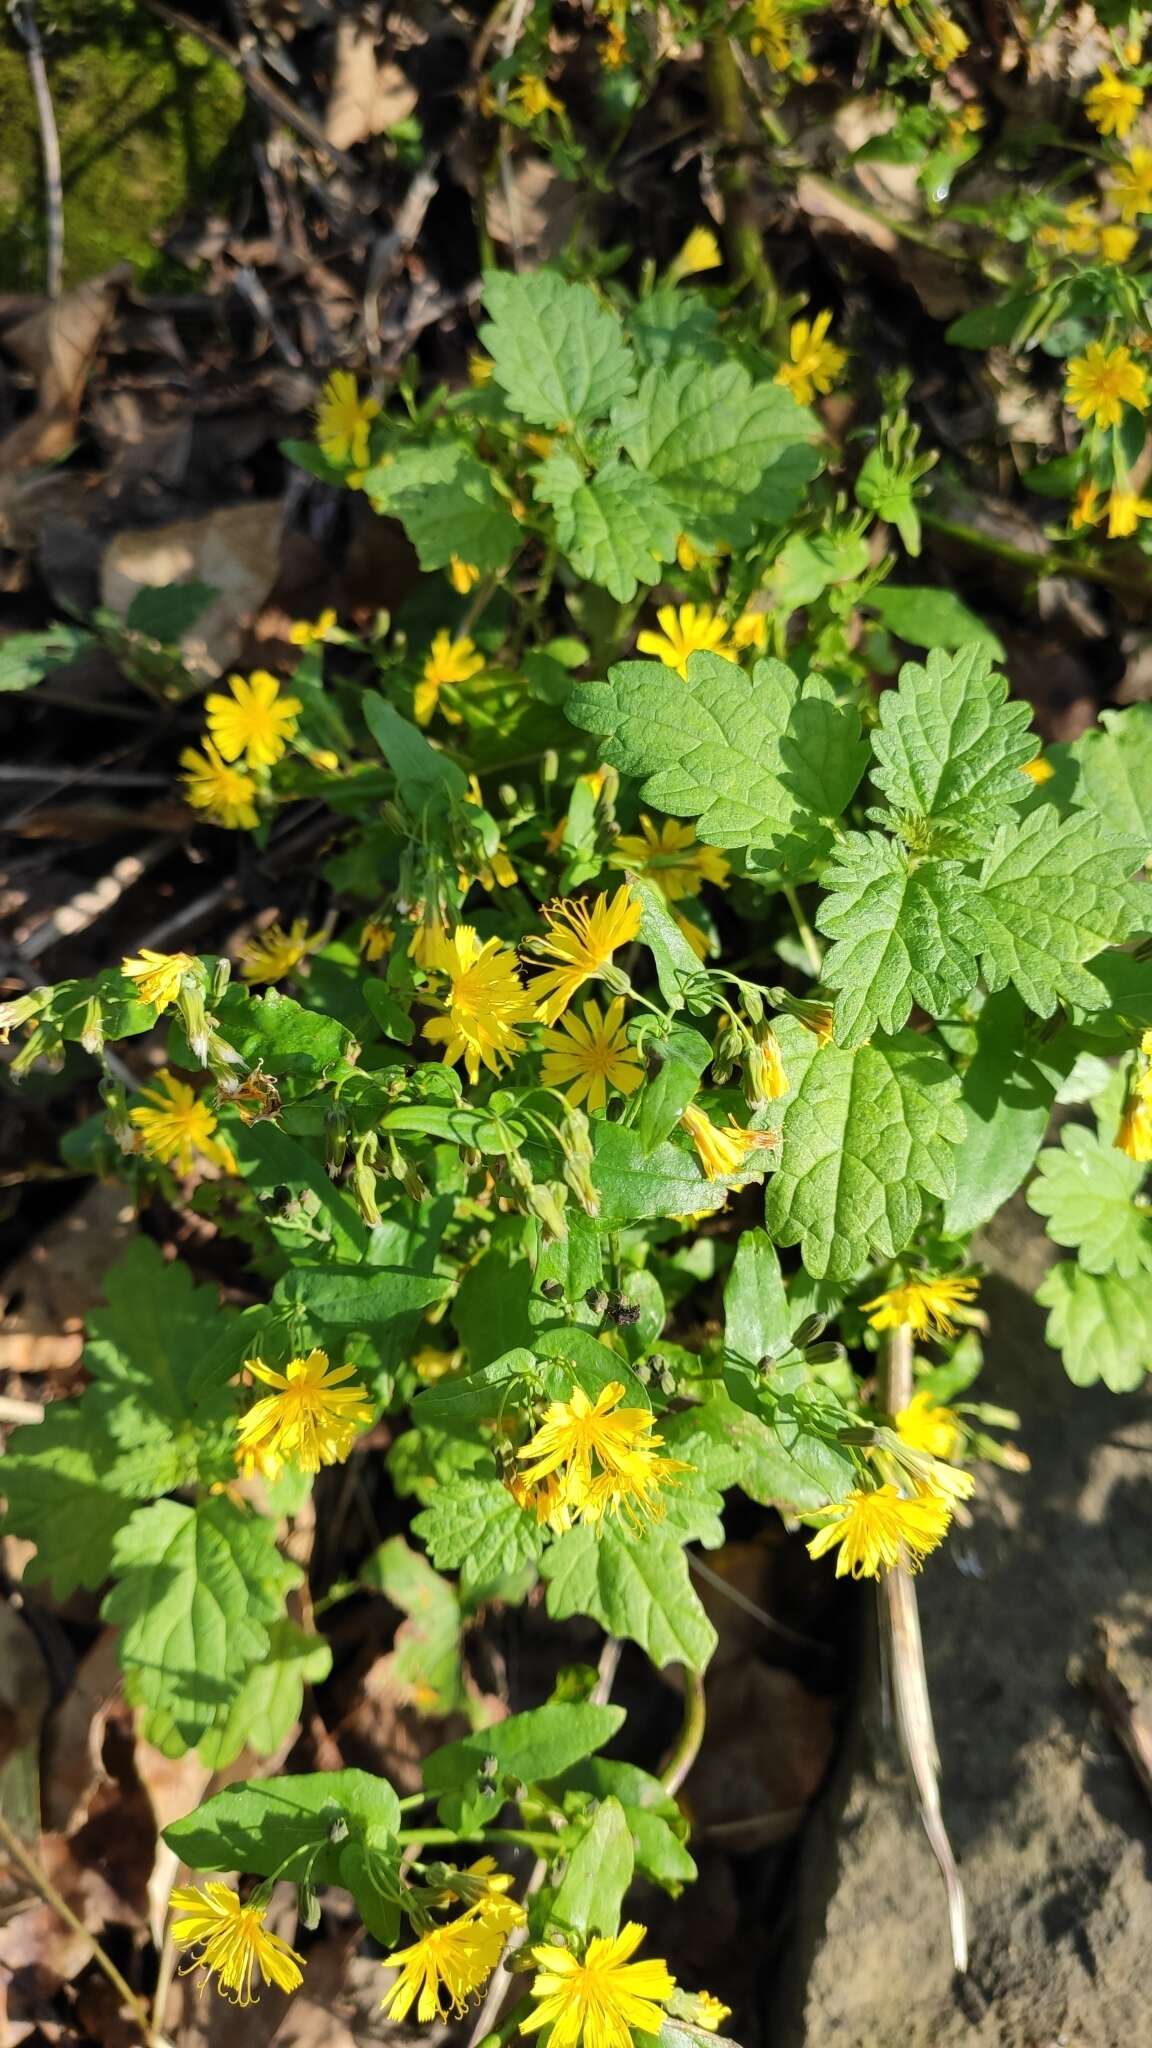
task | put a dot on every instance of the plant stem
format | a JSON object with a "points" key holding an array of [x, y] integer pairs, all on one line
{"points": [[438, 1838], [691, 1734], [1049, 564], [14, 1847], [729, 115], [808, 939]]}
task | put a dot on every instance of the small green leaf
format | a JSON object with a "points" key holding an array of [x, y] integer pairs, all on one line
{"points": [[421, 771], [425, 1656], [708, 434], [931, 618], [655, 1822], [1008, 1090], [900, 935], [474, 1526], [558, 354], [166, 613], [1088, 1192], [358, 1297], [59, 1481], [26, 658], [635, 1583], [1115, 763], [634, 1184], [1101, 1323], [949, 746], [287, 1826], [680, 1059], [616, 528], [529, 1747], [590, 1894], [445, 500], [756, 1314]]}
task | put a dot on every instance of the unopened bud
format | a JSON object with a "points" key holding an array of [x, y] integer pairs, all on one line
{"points": [[309, 1905], [551, 1290], [221, 976], [92, 1029], [337, 1125], [597, 1300], [808, 1331], [509, 796], [727, 1048], [549, 765], [193, 1015], [824, 1354]]}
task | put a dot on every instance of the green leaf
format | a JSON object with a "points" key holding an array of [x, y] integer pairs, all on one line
{"points": [[900, 935], [270, 1160], [285, 1826], [949, 746], [59, 1479], [26, 658], [776, 1457], [422, 772], [655, 1822], [759, 760], [275, 1031], [358, 1297], [446, 502], [167, 612], [635, 1583], [558, 354], [756, 1315], [1088, 1192], [708, 434], [528, 1747], [198, 1587], [425, 1656], [931, 618], [1115, 763], [678, 971], [680, 1058], [1102, 1325], [616, 528], [460, 1403], [161, 1348], [1053, 892], [865, 1135], [635, 1185], [474, 1526], [673, 322], [590, 1894], [1008, 1090], [269, 1702]]}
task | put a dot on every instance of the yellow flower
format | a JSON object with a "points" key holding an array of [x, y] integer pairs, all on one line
{"points": [[255, 721], [927, 1425], [227, 796], [310, 1420], [709, 2012], [583, 940], [1101, 382], [276, 952], [485, 1003], [723, 1150], [377, 937], [232, 1940], [586, 1059], [688, 554], [158, 975], [1132, 190], [816, 362], [449, 661], [1134, 1133], [689, 629], [697, 939], [1125, 511], [772, 34], [445, 1967], [343, 419], [1112, 104], [930, 1308], [601, 1999], [672, 857], [431, 1364], [531, 95], [1077, 233], [177, 1124], [577, 1434], [1039, 770], [1117, 244], [1085, 510], [751, 630], [943, 42], [462, 575], [765, 1065], [479, 370], [881, 1528], [701, 251], [615, 50], [312, 633]]}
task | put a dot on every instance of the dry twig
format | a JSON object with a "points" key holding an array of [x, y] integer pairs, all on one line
{"points": [[23, 14]]}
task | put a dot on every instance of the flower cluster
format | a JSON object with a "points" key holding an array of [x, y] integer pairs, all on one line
{"points": [[592, 1459]]}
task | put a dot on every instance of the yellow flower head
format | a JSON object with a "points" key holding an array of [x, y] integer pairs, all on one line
{"points": [[700, 252], [772, 33], [751, 630], [1102, 381], [927, 1425], [343, 419], [311, 1419], [158, 975], [377, 937], [1125, 511], [276, 952], [462, 575], [1131, 190], [879, 1528], [531, 95], [816, 362], [582, 940], [1086, 509], [176, 1125], [943, 41], [929, 1308], [724, 1151], [672, 857], [447, 1966], [1117, 244], [1112, 104], [601, 1999], [1039, 770], [684, 630], [1134, 1133], [448, 662], [589, 1460], [231, 1942], [255, 721], [226, 795], [709, 2012], [586, 1059], [485, 1004], [308, 633]]}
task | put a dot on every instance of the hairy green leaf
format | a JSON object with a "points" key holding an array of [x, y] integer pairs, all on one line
{"points": [[900, 935], [445, 500], [59, 1480], [931, 618], [1089, 1193], [635, 1583], [1052, 893], [1101, 1323], [287, 1826], [530, 1747], [616, 528], [1008, 1090], [599, 1871], [558, 354], [950, 746], [1115, 763], [268, 1704], [475, 1527], [709, 434]]}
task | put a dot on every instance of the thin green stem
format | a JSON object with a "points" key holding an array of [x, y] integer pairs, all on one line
{"points": [[808, 939], [437, 1838], [691, 1734], [1049, 564]]}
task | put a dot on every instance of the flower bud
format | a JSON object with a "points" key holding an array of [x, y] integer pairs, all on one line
{"points": [[337, 1125]]}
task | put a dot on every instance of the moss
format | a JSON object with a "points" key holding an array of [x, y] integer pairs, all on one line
{"points": [[148, 126]]}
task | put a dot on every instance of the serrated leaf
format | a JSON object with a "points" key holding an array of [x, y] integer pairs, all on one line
{"points": [[616, 528], [1052, 893], [474, 1526], [635, 1583], [531, 1747], [424, 1662], [268, 1704], [26, 658], [423, 774], [775, 1458], [445, 500], [759, 760], [931, 618], [198, 1588], [900, 935], [671, 322], [1088, 1192], [1115, 763], [709, 434], [865, 1135], [949, 746], [285, 1826], [58, 1478], [1101, 1324], [558, 354]]}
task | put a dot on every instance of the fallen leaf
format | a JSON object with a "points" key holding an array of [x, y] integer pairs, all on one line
{"points": [[235, 550], [367, 96], [59, 346]]}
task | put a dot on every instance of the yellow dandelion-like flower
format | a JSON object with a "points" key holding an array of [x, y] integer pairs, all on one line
{"points": [[879, 1528], [582, 940], [685, 629], [1131, 190], [1113, 103], [585, 1059], [343, 419], [579, 1434], [1102, 381], [1117, 244], [700, 252], [158, 976], [1125, 511], [1086, 507], [1134, 1132], [255, 722], [772, 33], [532, 97], [1039, 770], [751, 630], [479, 370], [176, 1126], [724, 1150], [276, 952], [815, 363], [708, 2011], [377, 938], [226, 795], [462, 575], [929, 1308], [231, 1942], [485, 1005], [311, 1419], [441, 1971], [448, 662], [943, 41], [308, 633], [672, 857], [927, 1425], [599, 1999]]}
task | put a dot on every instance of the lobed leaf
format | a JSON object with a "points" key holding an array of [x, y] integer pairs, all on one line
{"points": [[558, 354]]}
